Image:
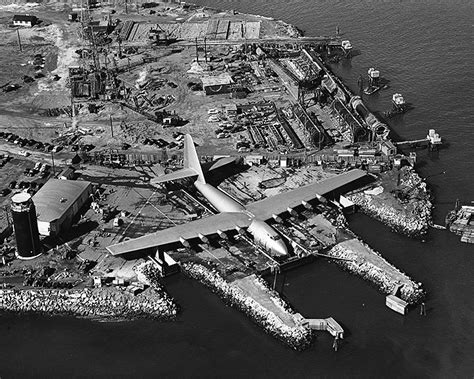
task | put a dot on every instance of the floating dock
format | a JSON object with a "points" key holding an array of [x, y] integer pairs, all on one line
{"points": [[395, 303], [461, 222]]}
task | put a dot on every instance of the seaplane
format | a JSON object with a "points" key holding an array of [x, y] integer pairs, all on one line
{"points": [[233, 216]]}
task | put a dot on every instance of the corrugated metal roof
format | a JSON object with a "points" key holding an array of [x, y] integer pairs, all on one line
{"points": [[56, 197]]}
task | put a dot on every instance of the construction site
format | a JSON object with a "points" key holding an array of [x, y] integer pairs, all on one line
{"points": [[106, 95]]}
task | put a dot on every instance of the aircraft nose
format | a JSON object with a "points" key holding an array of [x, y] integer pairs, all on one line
{"points": [[280, 248]]}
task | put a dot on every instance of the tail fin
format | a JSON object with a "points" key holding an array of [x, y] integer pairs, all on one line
{"points": [[191, 159]]}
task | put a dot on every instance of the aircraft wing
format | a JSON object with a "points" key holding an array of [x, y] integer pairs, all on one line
{"points": [[264, 209], [180, 174], [188, 230]]}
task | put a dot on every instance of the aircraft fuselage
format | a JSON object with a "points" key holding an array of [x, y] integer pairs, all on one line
{"points": [[262, 232]]}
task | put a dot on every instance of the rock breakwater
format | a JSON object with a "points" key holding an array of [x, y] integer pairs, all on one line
{"points": [[97, 303], [296, 336], [410, 215], [370, 266]]}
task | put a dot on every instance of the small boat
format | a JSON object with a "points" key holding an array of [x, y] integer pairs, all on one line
{"points": [[371, 90]]}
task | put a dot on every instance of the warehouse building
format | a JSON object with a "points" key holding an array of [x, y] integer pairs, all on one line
{"points": [[214, 85], [57, 202]]}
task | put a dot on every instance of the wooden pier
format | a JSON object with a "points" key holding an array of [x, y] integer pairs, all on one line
{"points": [[328, 324]]}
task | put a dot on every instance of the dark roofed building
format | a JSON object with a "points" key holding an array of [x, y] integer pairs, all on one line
{"points": [[24, 20]]}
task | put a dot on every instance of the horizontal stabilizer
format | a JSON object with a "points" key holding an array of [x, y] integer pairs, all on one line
{"points": [[180, 174]]}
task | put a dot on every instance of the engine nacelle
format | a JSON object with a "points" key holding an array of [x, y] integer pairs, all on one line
{"points": [[240, 230], [321, 199], [222, 235], [184, 242], [307, 205], [292, 212], [277, 218], [203, 238]]}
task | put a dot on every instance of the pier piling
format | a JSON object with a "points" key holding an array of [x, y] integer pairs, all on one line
{"points": [[423, 309]]}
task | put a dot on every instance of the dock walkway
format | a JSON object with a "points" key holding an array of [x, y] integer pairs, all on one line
{"points": [[327, 324]]}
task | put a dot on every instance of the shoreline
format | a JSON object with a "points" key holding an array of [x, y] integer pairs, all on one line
{"points": [[412, 219], [102, 306]]}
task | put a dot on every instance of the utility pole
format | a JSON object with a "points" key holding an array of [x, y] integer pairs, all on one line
{"points": [[111, 126], [197, 53], [19, 39], [52, 158], [73, 110]]}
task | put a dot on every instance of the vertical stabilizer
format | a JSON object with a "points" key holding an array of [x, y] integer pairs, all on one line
{"points": [[191, 159]]}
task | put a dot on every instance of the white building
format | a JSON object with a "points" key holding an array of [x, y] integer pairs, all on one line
{"points": [[24, 20]]}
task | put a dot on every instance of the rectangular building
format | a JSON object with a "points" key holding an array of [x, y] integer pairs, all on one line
{"points": [[220, 84], [57, 202], [24, 20]]}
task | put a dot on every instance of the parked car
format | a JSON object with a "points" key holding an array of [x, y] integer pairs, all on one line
{"points": [[24, 153], [44, 167]]}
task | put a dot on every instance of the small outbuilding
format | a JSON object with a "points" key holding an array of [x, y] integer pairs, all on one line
{"points": [[25, 20], [67, 173]]}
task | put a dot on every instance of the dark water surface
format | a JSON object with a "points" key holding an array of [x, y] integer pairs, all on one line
{"points": [[425, 49]]}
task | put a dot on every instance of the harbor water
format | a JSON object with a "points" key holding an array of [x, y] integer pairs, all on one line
{"points": [[425, 49]]}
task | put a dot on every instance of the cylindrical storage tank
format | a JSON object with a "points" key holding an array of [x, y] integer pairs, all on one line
{"points": [[25, 225], [381, 130], [359, 107]]}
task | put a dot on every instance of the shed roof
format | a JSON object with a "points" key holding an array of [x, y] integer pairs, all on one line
{"points": [[24, 17], [216, 80], [56, 197]]}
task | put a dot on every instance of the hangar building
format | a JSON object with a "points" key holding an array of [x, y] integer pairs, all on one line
{"points": [[57, 202]]}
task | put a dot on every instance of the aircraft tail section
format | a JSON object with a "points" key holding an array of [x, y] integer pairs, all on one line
{"points": [[192, 166], [191, 160]]}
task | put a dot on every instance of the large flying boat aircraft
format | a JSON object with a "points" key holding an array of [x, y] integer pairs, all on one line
{"points": [[233, 215]]}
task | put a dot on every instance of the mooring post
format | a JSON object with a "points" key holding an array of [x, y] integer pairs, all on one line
{"points": [[334, 344], [423, 309]]}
